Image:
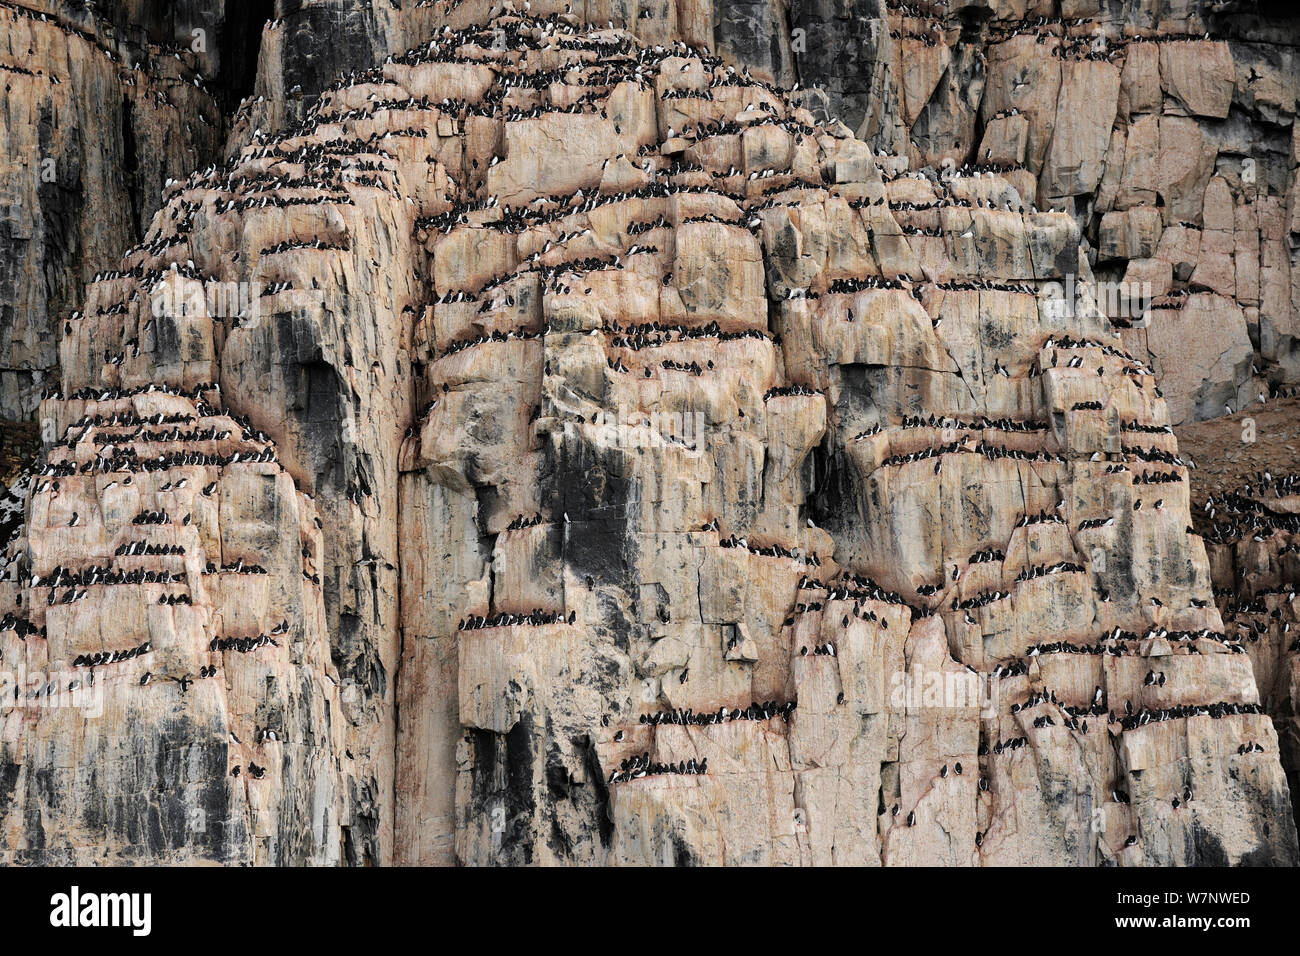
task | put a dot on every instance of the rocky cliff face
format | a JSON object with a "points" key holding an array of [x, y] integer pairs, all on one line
{"points": [[101, 105], [558, 442]]}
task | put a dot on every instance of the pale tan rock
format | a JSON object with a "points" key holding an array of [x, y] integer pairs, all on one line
{"points": [[1199, 76], [1131, 234], [1140, 90], [1085, 111], [1005, 140], [1021, 77], [1140, 177], [1203, 352], [78, 114], [681, 426], [1215, 267], [1154, 276], [926, 65], [1183, 168]]}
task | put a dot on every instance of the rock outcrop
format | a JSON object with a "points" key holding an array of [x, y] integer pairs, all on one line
{"points": [[554, 446], [1169, 135], [1252, 545], [101, 107]]}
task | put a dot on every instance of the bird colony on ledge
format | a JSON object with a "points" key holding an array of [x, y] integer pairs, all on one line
{"points": [[616, 465]]}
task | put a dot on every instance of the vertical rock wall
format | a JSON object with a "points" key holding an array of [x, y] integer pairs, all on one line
{"points": [[553, 444], [100, 109]]}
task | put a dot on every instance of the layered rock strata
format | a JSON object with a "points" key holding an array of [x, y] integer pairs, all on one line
{"points": [[603, 461], [1253, 542], [96, 118]]}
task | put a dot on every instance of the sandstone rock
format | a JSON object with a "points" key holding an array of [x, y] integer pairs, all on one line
{"points": [[1131, 234], [645, 472], [1085, 110], [1204, 351], [1198, 76], [81, 120]]}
